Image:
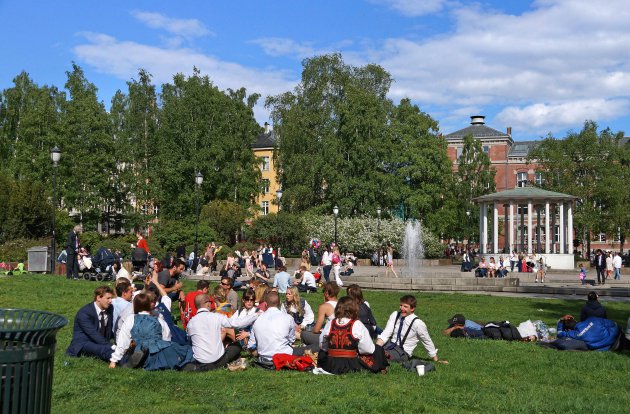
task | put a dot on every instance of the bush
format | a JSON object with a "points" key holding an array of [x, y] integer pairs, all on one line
{"points": [[15, 250], [169, 234]]}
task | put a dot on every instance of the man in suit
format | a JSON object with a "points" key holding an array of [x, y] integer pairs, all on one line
{"points": [[600, 267], [72, 250], [93, 327]]}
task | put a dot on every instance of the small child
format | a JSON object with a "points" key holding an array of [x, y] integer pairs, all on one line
{"points": [[583, 273]]}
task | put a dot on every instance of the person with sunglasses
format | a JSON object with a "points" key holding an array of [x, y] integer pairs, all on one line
{"points": [[231, 295]]}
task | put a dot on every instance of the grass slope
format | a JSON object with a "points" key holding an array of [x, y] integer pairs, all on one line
{"points": [[482, 377]]}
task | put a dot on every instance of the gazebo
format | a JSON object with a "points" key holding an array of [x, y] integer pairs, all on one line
{"points": [[553, 215]]}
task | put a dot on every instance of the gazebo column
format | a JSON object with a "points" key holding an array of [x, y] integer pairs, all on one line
{"points": [[570, 226], [548, 236], [529, 226], [484, 224], [522, 246], [538, 222], [495, 228], [553, 229], [512, 240], [506, 229], [562, 229], [481, 219]]}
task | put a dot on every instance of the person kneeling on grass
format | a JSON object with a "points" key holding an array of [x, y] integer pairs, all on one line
{"points": [[346, 345], [204, 330], [307, 281], [403, 332], [595, 334]]}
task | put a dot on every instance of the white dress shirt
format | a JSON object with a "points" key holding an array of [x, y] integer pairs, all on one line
{"points": [[123, 339], [309, 316], [327, 258], [359, 331], [418, 333], [273, 333], [308, 279], [204, 330], [119, 305]]}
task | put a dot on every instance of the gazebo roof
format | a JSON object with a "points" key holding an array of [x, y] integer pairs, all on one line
{"points": [[525, 194]]}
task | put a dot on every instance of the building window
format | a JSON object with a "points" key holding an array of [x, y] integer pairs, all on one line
{"points": [[265, 163], [460, 152], [486, 149], [265, 208], [144, 209], [156, 209], [601, 237], [539, 178], [521, 209], [265, 186], [521, 179], [556, 234]]}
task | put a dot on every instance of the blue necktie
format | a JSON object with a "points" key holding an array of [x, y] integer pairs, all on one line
{"points": [[399, 340]]}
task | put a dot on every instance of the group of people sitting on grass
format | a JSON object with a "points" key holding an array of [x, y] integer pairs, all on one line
{"points": [[130, 328]]}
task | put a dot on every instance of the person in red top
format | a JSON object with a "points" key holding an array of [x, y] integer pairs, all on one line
{"points": [[142, 242], [189, 309]]}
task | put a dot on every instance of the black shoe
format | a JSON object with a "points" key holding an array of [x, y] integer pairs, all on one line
{"points": [[137, 359]]}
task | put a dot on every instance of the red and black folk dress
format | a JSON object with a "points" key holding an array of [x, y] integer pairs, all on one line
{"points": [[343, 350]]}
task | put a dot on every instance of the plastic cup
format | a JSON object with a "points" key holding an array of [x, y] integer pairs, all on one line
{"points": [[420, 370]]}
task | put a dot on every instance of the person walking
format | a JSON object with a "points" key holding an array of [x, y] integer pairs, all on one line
{"points": [[617, 265], [600, 267], [390, 261], [72, 250]]}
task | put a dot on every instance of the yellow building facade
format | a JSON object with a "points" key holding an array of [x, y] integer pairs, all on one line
{"points": [[264, 149]]}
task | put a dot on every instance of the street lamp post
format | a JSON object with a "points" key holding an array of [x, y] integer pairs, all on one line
{"points": [[198, 182], [378, 234], [55, 156], [467, 225], [335, 212], [279, 197]]}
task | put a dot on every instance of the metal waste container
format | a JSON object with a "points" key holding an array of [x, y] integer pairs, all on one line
{"points": [[38, 259], [27, 353]]}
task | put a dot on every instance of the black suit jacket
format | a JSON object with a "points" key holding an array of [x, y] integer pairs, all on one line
{"points": [[85, 329], [71, 246]]}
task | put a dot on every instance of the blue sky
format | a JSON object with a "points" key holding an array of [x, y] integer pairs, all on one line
{"points": [[539, 66]]}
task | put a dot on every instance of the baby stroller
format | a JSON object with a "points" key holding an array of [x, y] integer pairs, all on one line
{"points": [[139, 259], [86, 266], [103, 262]]}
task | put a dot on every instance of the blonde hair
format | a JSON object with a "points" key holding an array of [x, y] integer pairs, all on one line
{"points": [[260, 292], [219, 294], [296, 300]]}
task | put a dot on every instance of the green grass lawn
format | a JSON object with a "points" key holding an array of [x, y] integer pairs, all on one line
{"points": [[483, 376]]}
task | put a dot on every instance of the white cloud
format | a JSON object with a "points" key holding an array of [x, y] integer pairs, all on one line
{"points": [[279, 46], [413, 8], [561, 55], [123, 59], [186, 28], [539, 116]]}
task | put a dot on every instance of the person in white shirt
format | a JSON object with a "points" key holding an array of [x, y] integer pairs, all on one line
{"points": [[299, 309], [204, 331], [405, 329], [307, 282], [617, 265], [274, 331], [282, 279], [327, 262], [124, 294]]}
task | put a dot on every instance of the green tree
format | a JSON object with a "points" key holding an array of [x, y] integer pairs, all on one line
{"points": [[87, 170], [284, 229], [591, 166], [29, 123], [207, 130], [332, 134], [226, 217], [421, 166]]}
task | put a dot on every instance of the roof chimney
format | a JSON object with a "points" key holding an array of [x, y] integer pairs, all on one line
{"points": [[477, 120], [266, 127], [509, 131]]}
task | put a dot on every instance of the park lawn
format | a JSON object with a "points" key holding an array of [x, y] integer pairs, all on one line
{"points": [[482, 376]]}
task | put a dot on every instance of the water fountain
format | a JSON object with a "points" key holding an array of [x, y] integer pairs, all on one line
{"points": [[413, 249]]}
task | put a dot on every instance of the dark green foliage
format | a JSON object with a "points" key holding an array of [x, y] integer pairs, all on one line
{"points": [[284, 229], [225, 217], [594, 167], [343, 142], [169, 234], [15, 250]]}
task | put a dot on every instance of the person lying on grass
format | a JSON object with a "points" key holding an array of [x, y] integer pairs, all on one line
{"points": [[403, 332], [460, 327]]}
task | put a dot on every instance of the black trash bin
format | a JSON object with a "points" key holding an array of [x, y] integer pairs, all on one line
{"points": [[27, 353]]}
